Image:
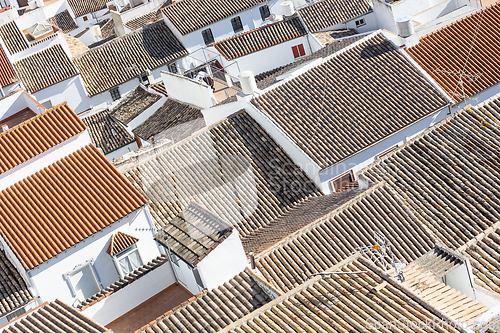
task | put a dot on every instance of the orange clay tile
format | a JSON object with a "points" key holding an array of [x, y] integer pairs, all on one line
{"points": [[63, 204], [119, 242], [7, 74], [452, 50], [36, 135]]}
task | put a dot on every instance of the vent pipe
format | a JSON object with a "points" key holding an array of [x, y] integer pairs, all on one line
{"points": [[404, 25], [248, 84], [252, 260], [287, 8]]}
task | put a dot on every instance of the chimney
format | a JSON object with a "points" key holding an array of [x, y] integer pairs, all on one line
{"points": [[252, 260], [248, 84], [287, 8], [404, 25], [96, 31]]}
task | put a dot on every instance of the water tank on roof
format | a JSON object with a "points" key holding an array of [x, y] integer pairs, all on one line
{"points": [[96, 31], [248, 84], [405, 26], [287, 8]]}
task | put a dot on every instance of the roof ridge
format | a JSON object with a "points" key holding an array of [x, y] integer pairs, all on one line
{"points": [[288, 294], [321, 220], [478, 238]]}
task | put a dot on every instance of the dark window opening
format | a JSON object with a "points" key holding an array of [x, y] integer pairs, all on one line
{"points": [[341, 181], [115, 94], [145, 79], [197, 277], [207, 36], [85, 18], [172, 68], [360, 23], [264, 12], [236, 23]]}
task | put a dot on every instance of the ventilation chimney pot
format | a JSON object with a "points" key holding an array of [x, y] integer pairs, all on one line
{"points": [[404, 25], [248, 84], [287, 8]]}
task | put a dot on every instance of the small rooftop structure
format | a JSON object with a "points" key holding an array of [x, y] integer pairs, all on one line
{"points": [[40, 30], [64, 21]]}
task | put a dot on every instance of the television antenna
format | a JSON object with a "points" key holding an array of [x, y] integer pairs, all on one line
{"points": [[380, 254]]}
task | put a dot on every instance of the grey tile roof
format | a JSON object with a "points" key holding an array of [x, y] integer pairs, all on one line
{"points": [[364, 94], [191, 15], [135, 103], [64, 21], [13, 290], [449, 174], [261, 38], [159, 87], [211, 311], [344, 303], [324, 14], [107, 28], [82, 7], [44, 68], [13, 38], [139, 22], [106, 133], [233, 168], [336, 236], [109, 65], [301, 215], [194, 233], [123, 282], [173, 120], [267, 79], [439, 261], [55, 317]]}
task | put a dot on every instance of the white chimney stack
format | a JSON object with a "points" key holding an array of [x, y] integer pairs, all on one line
{"points": [[96, 32], [287, 8], [404, 25], [248, 84]]}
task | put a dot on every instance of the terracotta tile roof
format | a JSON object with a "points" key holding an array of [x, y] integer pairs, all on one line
{"points": [[123, 282], [324, 14], [106, 133], [267, 79], [107, 28], [211, 311], [261, 38], [55, 317], [36, 135], [139, 22], [328, 37], [13, 290], [233, 168], [173, 120], [135, 103], [343, 303], [454, 304], [371, 82], [82, 7], [296, 218], [45, 68], [194, 233], [159, 87], [7, 74], [63, 204], [119, 242], [148, 48], [186, 19], [64, 21], [75, 46], [336, 236], [13, 38], [469, 46], [449, 174], [484, 258]]}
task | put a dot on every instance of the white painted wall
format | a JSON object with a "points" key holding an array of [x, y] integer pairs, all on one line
{"points": [[134, 294], [460, 279], [224, 262], [44, 159], [186, 278], [487, 322], [186, 90], [94, 247], [488, 298], [268, 58], [70, 90], [8, 16], [116, 154], [18, 102]]}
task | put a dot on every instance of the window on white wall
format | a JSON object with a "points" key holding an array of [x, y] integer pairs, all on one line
{"points": [[298, 51], [128, 260], [47, 104], [83, 281], [236, 23], [264, 12], [115, 94], [172, 68], [208, 37], [197, 277], [360, 23]]}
